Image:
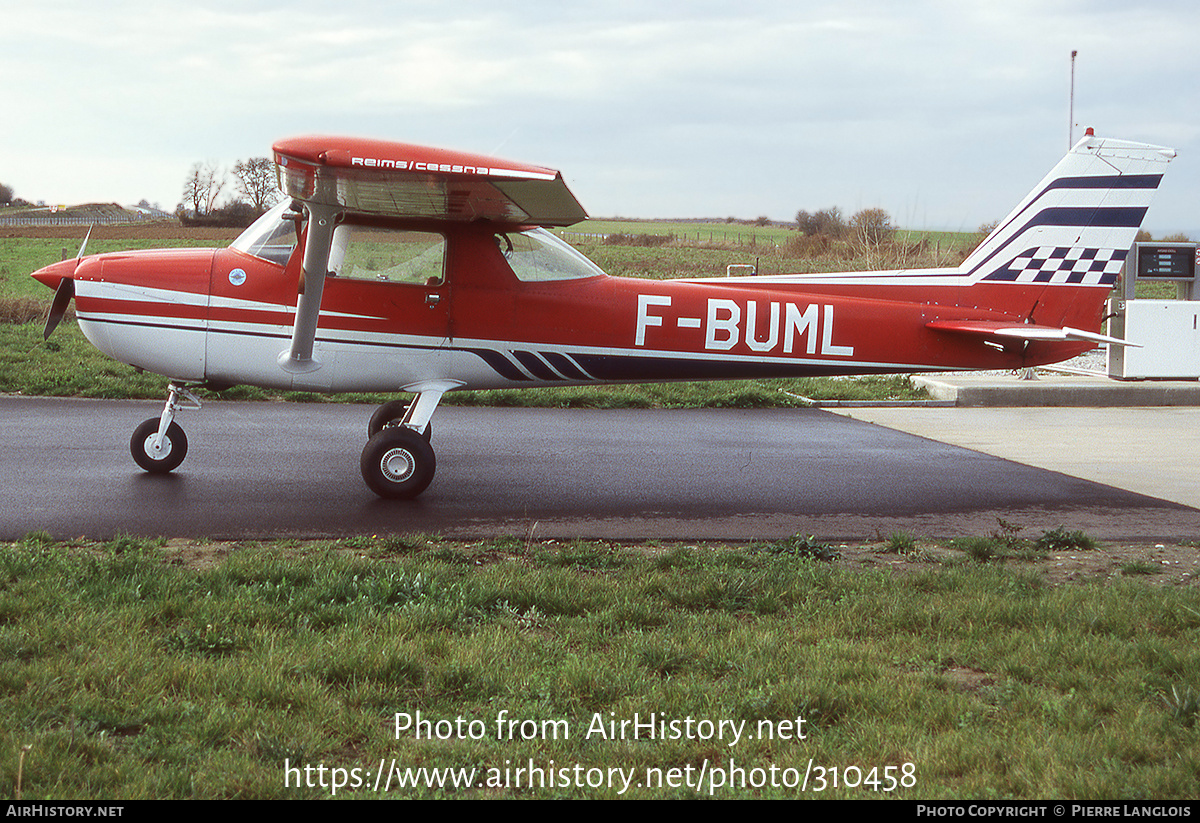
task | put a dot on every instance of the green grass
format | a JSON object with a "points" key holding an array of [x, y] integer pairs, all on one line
{"points": [[67, 365], [680, 260], [21, 256], [779, 393], [707, 249], [124, 674]]}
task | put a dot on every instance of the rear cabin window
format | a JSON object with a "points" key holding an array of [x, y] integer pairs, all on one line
{"points": [[537, 256]]}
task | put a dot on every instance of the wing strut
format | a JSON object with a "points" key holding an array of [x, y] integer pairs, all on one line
{"points": [[321, 221]]}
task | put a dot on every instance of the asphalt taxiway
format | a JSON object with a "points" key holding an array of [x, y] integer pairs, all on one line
{"points": [[269, 469]]}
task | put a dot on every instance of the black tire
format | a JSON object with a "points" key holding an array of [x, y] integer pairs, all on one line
{"points": [[390, 412], [397, 463], [175, 446]]}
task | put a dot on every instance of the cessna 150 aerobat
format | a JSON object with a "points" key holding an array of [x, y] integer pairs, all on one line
{"points": [[398, 268]]}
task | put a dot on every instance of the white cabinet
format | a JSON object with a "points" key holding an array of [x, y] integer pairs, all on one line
{"points": [[1168, 333]]}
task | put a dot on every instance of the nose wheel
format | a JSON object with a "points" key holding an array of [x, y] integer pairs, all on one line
{"points": [[158, 455], [159, 445]]}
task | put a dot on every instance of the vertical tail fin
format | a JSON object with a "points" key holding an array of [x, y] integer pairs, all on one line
{"points": [[1078, 224]]}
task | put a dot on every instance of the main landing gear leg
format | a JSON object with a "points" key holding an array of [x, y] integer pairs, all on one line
{"points": [[398, 461], [395, 413], [159, 445]]}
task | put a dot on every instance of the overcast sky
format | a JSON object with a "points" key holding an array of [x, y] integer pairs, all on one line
{"points": [[943, 112]]}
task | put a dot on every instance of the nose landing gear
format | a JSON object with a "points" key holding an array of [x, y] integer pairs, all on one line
{"points": [[159, 445]]}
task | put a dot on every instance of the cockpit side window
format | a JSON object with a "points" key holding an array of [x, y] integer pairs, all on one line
{"points": [[388, 255]]}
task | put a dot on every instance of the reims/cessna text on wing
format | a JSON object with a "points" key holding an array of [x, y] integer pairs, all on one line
{"points": [[398, 268]]}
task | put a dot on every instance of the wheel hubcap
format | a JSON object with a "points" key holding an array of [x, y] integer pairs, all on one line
{"points": [[397, 465], [161, 452]]}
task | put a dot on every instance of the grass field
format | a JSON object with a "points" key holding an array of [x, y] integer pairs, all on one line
{"points": [[135, 669]]}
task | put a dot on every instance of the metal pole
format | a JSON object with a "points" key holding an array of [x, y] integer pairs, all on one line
{"points": [[1071, 106]]}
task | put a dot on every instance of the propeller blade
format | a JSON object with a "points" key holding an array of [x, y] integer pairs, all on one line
{"points": [[86, 238], [62, 298]]}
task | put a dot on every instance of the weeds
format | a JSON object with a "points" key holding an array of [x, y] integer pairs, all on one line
{"points": [[979, 549], [1136, 567], [1061, 540], [207, 641], [800, 545], [1003, 544], [1184, 705], [901, 543], [18, 310]]}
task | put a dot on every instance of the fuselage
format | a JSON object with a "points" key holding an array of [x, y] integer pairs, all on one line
{"points": [[475, 312]]}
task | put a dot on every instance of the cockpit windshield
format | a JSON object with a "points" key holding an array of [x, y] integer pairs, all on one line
{"points": [[271, 237]]}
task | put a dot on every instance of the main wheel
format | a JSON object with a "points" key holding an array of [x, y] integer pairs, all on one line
{"points": [[391, 412], [167, 457], [398, 463]]}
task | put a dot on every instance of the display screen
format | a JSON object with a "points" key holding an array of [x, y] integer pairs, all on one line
{"points": [[1174, 262]]}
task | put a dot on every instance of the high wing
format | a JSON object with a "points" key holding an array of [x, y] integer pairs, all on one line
{"points": [[402, 180], [332, 175]]}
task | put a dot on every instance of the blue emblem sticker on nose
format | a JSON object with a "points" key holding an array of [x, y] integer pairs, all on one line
{"points": [[237, 277]]}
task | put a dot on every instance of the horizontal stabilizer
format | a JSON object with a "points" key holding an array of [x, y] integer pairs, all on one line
{"points": [[1023, 331], [402, 180]]}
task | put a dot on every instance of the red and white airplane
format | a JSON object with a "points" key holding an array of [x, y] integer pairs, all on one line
{"points": [[398, 268]]}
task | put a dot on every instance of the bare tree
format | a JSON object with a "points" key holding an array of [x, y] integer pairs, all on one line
{"points": [[192, 190], [204, 185], [872, 240], [872, 226], [256, 182]]}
